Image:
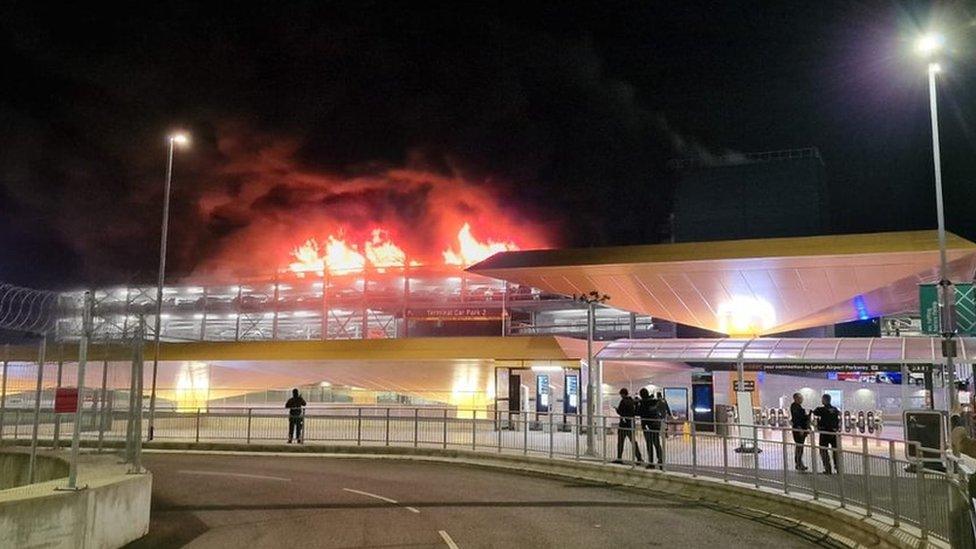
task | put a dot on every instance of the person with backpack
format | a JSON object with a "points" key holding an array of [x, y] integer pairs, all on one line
{"points": [[296, 417], [828, 424], [649, 410], [627, 409]]}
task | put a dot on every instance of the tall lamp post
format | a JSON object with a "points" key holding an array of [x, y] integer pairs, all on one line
{"points": [[594, 375], [177, 139], [930, 46]]}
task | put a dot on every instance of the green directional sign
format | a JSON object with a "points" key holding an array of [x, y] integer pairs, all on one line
{"points": [[965, 308]]}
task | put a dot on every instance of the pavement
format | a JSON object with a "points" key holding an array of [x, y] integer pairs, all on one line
{"points": [[256, 501]]}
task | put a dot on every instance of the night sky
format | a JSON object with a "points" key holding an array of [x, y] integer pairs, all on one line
{"points": [[566, 113]]}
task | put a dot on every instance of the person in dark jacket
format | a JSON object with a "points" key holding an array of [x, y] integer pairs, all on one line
{"points": [[828, 424], [649, 410], [800, 422], [296, 420], [627, 409], [665, 411]]}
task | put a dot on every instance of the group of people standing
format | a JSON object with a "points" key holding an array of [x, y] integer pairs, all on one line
{"points": [[653, 412], [828, 427]]}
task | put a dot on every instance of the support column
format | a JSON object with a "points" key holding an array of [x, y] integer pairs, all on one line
{"points": [[86, 330], [590, 384]]}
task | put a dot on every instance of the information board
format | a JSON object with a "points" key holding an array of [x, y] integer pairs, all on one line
{"points": [[571, 394], [542, 393], [66, 400]]}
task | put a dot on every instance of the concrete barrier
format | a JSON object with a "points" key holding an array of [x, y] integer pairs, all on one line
{"points": [[14, 469], [110, 511]]}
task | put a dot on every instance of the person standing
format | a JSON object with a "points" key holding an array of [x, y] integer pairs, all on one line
{"points": [[665, 412], [828, 424], [296, 419], [627, 409], [648, 408], [800, 421]]}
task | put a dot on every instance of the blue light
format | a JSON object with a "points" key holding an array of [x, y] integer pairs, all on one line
{"points": [[862, 309]]}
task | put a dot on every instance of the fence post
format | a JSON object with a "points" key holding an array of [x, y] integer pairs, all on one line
{"points": [[603, 436], [197, 439], [138, 364], [866, 465], [893, 483], [814, 457], [474, 429], [839, 465], [694, 450], [387, 427], [444, 426], [551, 436], [37, 409], [576, 430], [786, 454], [86, 329], [56, 443], [359, 426], [725, 453], [249, 410], [102, 405], [755, 460], [416, 426], [525, 432], [3, 391], [923, 522], [498, 428]]}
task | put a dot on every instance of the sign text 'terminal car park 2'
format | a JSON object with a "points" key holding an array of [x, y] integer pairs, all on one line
{"points": [[454, 313]]}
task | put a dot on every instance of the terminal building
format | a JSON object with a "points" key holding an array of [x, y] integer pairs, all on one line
{"points": [[503, 333]]}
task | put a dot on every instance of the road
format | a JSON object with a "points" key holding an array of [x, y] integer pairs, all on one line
{"points": [[252, 502]]}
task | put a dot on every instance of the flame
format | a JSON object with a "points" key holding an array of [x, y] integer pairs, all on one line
{"points": [[472, 251], [382, 252], [307, 259], [342, 257]]}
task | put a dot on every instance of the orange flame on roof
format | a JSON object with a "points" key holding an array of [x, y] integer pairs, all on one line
{"points": [[471, 251], [342, 257], [307, 259], [382, 252]]}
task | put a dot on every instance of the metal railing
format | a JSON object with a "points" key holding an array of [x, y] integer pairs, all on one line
{"points": [[871, 476]]}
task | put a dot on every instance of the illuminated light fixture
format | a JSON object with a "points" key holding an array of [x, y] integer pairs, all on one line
{"points": [[547, 368], [861, 308], [180, 138], [745, 315], [325, 384], [929, 44], [198, 316], [935, 68]]}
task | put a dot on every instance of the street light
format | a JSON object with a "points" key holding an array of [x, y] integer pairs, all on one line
{"points": [[594, 376], [930, 46], [176, 139]]}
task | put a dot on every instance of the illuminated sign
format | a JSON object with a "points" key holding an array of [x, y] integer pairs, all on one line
{"points": [[542, 393], [571, 394], [454, 313]]}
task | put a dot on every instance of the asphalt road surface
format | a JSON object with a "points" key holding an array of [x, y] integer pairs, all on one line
{"points": [[250, 502]]}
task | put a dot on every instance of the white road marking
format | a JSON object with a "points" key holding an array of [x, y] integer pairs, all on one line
{"points": [[367, 494], [381, 498], [241, 475], [447, 539]]}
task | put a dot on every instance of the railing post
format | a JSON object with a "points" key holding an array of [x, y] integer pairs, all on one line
{"points": [[359, 426], [498, 429], [198, 426], [814, 459], [694, 450], [576, 436], [755, 460], [103, 406], [551, 436], [249, 426], [603, 436], [893, 484], [923, 522], [786, 453], [525, 432], [416, 426], [866, 465], [474, 429], [725, 454], [445, 428], [839, 465], [387, 426]]}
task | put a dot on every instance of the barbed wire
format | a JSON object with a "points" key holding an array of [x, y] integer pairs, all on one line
{"points": [[28, 310]]}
